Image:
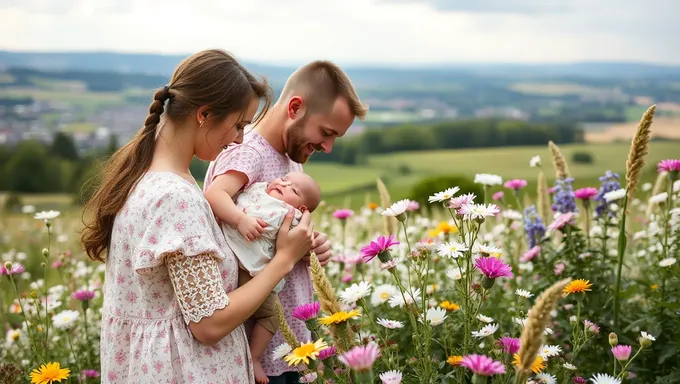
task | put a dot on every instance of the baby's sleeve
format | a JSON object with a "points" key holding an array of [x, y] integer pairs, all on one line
{"points": [[241, 158]]}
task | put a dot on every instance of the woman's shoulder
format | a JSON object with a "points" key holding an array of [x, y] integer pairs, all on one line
{"points": [[169, 191]]}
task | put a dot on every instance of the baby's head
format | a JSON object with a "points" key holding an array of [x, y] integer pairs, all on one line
{"points": [[297, 189]]}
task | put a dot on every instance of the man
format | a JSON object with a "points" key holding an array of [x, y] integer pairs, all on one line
{"points": [[317, 105]]}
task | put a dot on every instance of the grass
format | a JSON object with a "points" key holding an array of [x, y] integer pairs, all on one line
{"points": [[336, 178], [555, 89]]}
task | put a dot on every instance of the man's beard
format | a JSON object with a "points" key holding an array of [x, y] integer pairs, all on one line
{"points": [[295, 142]]}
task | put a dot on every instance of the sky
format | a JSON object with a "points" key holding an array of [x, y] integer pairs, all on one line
{"points": [[355, 31]]}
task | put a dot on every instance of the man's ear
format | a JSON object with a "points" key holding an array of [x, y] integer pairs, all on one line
{"points": [[296, 107]]}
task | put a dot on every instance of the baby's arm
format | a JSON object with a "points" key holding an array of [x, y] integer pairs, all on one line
{"points": [[219, 195]]}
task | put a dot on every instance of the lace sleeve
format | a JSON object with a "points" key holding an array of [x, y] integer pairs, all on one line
{"points": [[198, 285]]}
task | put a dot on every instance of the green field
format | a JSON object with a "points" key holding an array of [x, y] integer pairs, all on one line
{"points": [[84, 100], [555, 88]]}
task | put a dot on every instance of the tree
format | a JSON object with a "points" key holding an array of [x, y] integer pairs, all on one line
{"points": [[64, 147], [31, 170]]}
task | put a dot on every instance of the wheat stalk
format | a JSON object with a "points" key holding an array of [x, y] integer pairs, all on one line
{"points": [[285, 330], [559, 162], [638, 150]]}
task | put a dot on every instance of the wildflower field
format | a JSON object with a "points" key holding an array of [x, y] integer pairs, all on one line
{"points": [[554, 285]]}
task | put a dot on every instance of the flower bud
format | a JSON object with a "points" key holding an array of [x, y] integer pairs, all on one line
{"points": [[645, 342], [401, 217], [8, 265], [487, 282], [34, 294], [45, 252], [613, 339]]}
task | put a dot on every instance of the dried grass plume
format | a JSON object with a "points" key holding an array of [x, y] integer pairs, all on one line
{"points": [[287, 333], [386, 201], [638, 150], [543, 197], [327, 298], [559, 162]]}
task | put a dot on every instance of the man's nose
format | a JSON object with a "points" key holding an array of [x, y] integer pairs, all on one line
{"points": [[327, 145]]}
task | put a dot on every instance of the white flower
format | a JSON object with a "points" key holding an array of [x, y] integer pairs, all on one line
{"points": [[444, 195], [547, 351], [487, 330], [484, 319], [391, 324], [603, 378], [535, 161], [362, 336], [355, 292], [474, 211], [487, 250], [281, 351], [452, 249], [391, 377], [435, 316], [65, 319], [520, 321], [548, 331], [615, 195], [308, 378], [523, 293], [397, 208], [667, 262], [546, 378], [454, 274], [569, 366], [398, 301], [488, 179], [12, 336], [512, 215], [28, 209], [382, 293], [46, 215], [647, 336], [659, 198], [646, 187]]}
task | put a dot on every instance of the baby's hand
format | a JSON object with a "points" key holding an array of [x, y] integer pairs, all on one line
{"points": [[250, 227]]}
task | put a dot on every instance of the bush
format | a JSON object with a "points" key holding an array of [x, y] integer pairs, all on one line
{"points": [[431, 185], [13, 203], [582, 158]]}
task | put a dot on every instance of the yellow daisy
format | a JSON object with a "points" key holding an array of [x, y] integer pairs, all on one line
{"points": [[536, 367], [449, 306], [577, 286], [339, 317], [49, 373], [454, 360], [305, 352]]}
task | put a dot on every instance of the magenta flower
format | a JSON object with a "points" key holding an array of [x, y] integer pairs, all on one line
{"points": [[459, 201], [482, 365], [379, 247], [492, 267], [622, 352], [90, 373], [327, 353], [591, 327], [360, 358], [586, 193], [530, 254], [343, 214], [83, 295], [551, 190], [412, 206], [515, 184], [497, 196], [306, 311], [578, 380], [671, 165], [510, 344], [562, 220], [11, 268]]}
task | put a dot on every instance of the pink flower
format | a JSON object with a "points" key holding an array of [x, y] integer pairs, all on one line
{"points": [[347, 277], [590, 326], [551, 190], [309, 378], [586, 193], [559, 268], [562, 220], [83, 295], [671, 165], [327, 353], [56, 264], [530, 254], [391, 377], [11, 268], [91, 373], [578, 380], [497, 196], [515, 184], [307, 311], [343, 214], [360, 358], [492, 267], [482, 365], [412, 206], [622, 352], [510, 344], [378, 247], [458, 201]]}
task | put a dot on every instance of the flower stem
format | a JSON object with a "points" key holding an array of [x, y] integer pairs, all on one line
{"points": [[620, 250]]}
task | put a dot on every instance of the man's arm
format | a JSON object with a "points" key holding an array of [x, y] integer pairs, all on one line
{"points": [[219, 195]]}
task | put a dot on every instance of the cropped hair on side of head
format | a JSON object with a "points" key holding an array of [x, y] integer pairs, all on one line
{"points": [[321, 82], [211, 78]]}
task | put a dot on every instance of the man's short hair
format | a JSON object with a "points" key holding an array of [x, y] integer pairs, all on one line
{"points": [[321, 82]]}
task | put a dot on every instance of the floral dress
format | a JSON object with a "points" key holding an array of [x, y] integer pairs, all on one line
{"points": [[164, 240]]}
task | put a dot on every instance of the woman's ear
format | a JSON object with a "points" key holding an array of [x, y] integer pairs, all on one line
{"points": [[202, 114]]}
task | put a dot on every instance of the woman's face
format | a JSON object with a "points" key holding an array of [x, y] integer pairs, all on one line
{"points": [[212, 138]]}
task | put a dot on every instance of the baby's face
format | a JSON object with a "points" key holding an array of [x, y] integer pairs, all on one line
{"points": [[296, 189]]}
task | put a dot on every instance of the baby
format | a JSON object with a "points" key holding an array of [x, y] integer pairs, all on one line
{"points": [[251, 227]]}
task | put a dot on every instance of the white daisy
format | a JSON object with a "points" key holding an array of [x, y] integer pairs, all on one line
{"points": [[647, 336], [484, 319], [452, 249], [444, 195], [603, 378], [390, 324], [535, 161], [510, 214], [615, 195], [454, 274], [475, 211], [65, 319], [398, 301], [281, 351], [667, 262], [487, 250], [523, 293], [435, 316], [12, 336], [659, 198], [546, 378], [391, 377], [397, 208], [487, 330], [382, 293], [547, 351], [548, 331], [355, 292], [569, 366], [488, 179], [47, 215]]}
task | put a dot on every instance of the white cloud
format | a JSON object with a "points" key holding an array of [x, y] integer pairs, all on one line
{"points": [[354, 31]]}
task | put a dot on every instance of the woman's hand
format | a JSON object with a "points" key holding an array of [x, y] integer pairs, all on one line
{"points": [[293, 244]]}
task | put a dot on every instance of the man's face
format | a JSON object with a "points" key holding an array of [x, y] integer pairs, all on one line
{"points": [[317, 131]]}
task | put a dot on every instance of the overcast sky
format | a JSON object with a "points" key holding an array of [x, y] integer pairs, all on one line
{"points": [[355, 31]]}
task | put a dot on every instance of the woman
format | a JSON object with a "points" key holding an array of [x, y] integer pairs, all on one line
{"points": [[172, 311]]}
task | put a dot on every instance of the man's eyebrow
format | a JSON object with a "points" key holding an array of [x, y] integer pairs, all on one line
{"points": [[331, 130]]}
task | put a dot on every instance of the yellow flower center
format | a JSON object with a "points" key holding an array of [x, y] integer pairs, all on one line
{"points": [[384, 296]]}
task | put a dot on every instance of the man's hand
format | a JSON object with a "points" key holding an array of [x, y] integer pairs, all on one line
{"points": [[321, 246]]}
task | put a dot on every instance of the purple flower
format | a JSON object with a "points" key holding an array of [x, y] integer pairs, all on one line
{"points": [[343, 214], [91, 373], [610, 182], [482, 365], [360, 358], [564, 200], [379, 247], [586, 193], [492, 267], [515, 184], [671, 165], [622, 352], [307, 311], [327, 353], [11, 268], [510, 344], [533, 226], [83, 295], [578, 380], [530, 254]]}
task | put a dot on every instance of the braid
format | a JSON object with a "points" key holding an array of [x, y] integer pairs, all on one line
{"points": [[156, 109]]}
